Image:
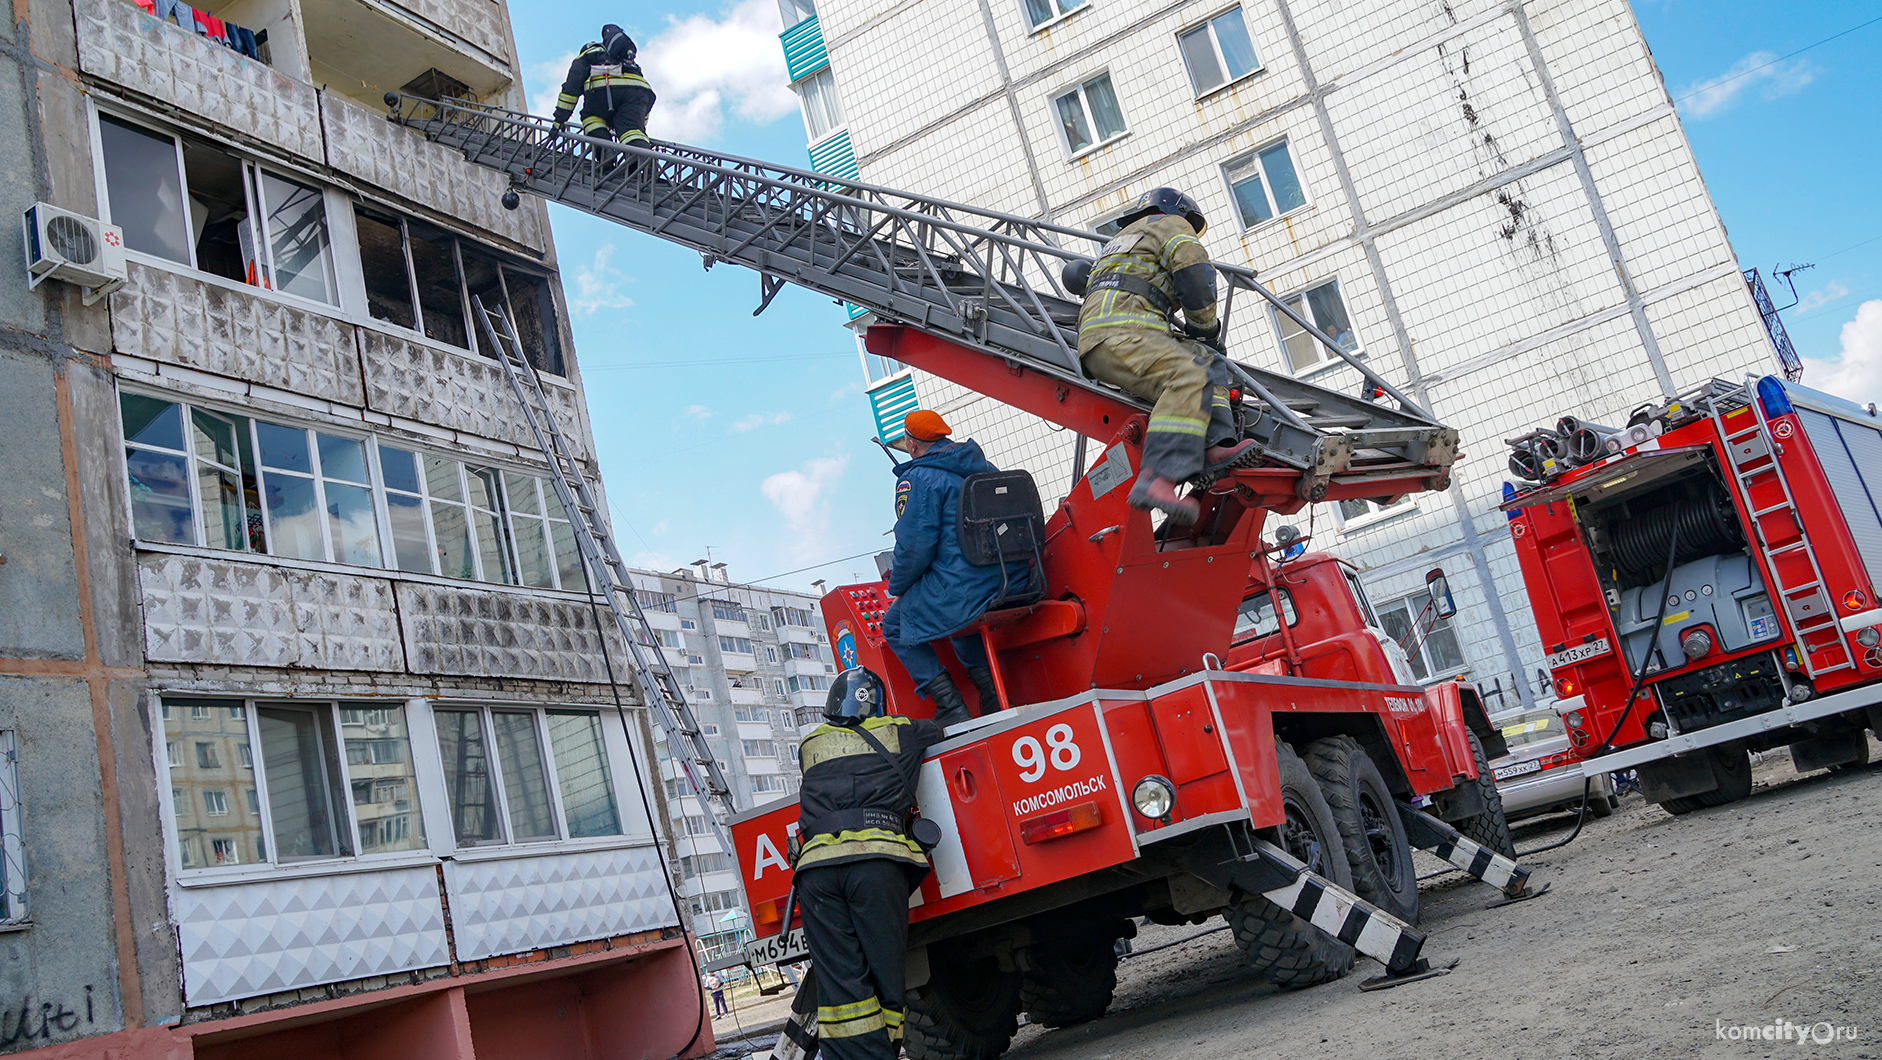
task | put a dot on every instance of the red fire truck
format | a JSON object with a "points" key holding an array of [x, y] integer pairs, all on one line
{"points": [[1704, 580], [1138, 774]]}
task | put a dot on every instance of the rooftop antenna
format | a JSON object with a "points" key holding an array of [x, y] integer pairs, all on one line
{"points": [[1787, 276]]}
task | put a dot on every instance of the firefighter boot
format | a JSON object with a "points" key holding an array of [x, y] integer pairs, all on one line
{"points": [[949, 707], [982, 677], [1220, 458], [1152, 492]]}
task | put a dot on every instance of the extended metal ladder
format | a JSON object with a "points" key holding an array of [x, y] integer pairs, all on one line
{"points": [[986, 280], [652, 677], [1752, 452]]}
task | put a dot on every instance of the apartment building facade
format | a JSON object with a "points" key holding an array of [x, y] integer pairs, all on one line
{"points": [[754, 663], [1490, 201], [306, 737]]}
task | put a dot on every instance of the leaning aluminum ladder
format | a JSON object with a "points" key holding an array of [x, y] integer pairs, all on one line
{"points": [[653, 677]]}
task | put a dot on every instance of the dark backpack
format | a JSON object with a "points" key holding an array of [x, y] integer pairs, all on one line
{"points": [[1000, 521]]}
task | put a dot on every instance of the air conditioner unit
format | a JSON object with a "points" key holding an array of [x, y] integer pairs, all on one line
{"points": [[63, 245]]}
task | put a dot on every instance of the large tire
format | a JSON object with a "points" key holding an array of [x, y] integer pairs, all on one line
{"points": [[965, 1011], [1284, 949], [1067, 981], [1490, 829], [1370, 829], [1731, 765]]}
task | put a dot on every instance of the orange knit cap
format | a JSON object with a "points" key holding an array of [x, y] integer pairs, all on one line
{"points": [[925, 426]]}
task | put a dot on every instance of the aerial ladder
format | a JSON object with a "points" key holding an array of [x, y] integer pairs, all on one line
{"points": [[971, 295]]}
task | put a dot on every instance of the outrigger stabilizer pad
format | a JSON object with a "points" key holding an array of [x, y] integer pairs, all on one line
{"points": [[1528, 893], [1420, 969], [1428, 833]]}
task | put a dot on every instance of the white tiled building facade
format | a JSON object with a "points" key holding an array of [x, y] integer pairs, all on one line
{"points": [[1492, 202]]}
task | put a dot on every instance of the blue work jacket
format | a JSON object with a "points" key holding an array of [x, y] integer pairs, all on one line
{"points": [[937, 591]]}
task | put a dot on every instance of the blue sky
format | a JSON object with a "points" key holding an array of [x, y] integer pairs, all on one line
{"points": [[749, 434]]}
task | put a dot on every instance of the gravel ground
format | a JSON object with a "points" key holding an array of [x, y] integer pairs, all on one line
{"points": [[1659, 935]]}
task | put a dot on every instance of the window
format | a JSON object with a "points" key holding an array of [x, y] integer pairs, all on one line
{"points": [[419, 276], [727, 611], [767, 783], [792, 616], [1321, 305], [795, 11], [823, 108], [199, 206], [1218, 51], [1264, 185], [655, 601], [759, 748], [759, 621], [692, 865], [687, 623], [752, 714], [517, 776], [1039, 12], [803, 651], [1256, 619], [335, 780], [808, 684], [1429, 641], [771, 654], [201, 477], [1088, 115], [735, 644], [696, 825], [1357, 511]]}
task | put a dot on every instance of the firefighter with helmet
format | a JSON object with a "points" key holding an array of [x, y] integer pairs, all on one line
{"points": [[858, 863], [614, 94], [1153, 267]]}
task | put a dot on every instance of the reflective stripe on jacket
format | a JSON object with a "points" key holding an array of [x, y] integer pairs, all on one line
{"points": [[842, 772], [1152, 249]]}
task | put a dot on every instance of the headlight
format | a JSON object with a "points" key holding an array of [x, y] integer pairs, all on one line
{"points": [[1154, 797]]}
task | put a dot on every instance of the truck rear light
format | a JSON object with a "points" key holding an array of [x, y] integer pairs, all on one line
{"points": [[1564, 687], [1869, 638], [768, 912], [1078, 817], [1573, 718], [1855, 599]]}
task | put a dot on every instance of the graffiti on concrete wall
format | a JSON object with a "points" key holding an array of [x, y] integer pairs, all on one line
{"points": [[28, 1021]]}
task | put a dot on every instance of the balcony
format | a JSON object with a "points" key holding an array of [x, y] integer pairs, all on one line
{"points": [[458, 390], [747, 697], [121, 44], [363, 48]]}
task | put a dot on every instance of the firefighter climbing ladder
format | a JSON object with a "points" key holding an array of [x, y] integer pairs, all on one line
{"points": [[985, 280], [1753, 456], [652, 676]]}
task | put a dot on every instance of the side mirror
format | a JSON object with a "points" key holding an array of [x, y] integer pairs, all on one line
{"points": [[1439, 587]]}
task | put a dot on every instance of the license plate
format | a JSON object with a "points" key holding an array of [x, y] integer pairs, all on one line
{"points": [[1579, 653], [778, 949], [1534, 765]]}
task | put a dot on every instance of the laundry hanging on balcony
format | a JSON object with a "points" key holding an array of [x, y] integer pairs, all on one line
{"points": [[225, 33]]}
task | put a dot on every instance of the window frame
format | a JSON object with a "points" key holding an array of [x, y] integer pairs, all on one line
{"points": [[1253, 157], [1207, 25], [1419, 653], [1374, 513], [376, 485], [1281, 322], [830, 99], [16, 906], [1084, 103], [616, 751], [250, 168], [1062, 14]]}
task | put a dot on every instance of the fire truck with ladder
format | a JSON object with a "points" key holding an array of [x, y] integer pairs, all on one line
{"points": [[1704, 580], [1164, 752]]}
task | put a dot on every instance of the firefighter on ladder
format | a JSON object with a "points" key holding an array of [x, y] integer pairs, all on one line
{"points": [[1151, 268], [858, 864], [614, 94]]}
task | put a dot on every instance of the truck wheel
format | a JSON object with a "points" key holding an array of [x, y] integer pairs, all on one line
{"points": [[1068, 981], [1731, 765], [1599, 806], [1284, 949], [1370, 829], [965, 1011], [1490, 829]]}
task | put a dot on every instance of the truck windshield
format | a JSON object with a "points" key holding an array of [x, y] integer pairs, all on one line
{"points": [[1256, 618]]}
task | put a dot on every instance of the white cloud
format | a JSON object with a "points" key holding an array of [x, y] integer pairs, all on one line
{"points": [[1857, 374], [1818, 299], [802, 498], [698, 412], [661, 561], [1771, 77], [702, 69], [842, 393], [761, 419], [598, 284]]}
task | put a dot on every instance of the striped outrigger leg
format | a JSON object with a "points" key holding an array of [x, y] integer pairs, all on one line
{"points": [[799, 1040], [1351, 919], [1428, 833]]}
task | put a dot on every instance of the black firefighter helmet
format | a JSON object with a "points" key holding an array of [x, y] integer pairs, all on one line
{"points": [[618, 43], [857, 693], [1165, 200]]}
